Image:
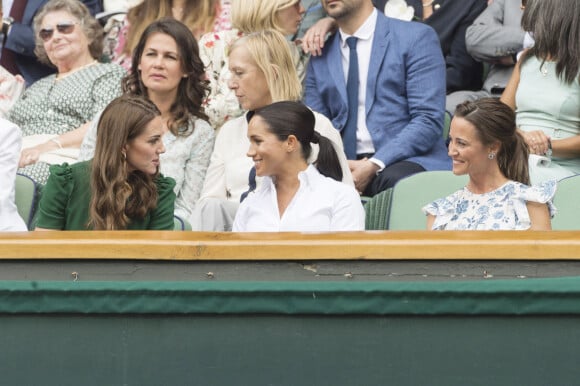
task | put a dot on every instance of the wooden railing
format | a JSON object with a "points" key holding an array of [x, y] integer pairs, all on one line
{"points": [[408, 245]]}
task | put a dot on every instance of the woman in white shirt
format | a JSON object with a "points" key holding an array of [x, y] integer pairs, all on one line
{"points": [[262, 72], [295, 196], [10, 143]]}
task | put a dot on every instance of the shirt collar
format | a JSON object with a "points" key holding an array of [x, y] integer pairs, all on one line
{"points": [[307, 178], [365, 31]]}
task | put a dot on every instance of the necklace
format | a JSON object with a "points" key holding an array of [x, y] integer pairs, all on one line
{"points": [[66, 74], [543, 69]]}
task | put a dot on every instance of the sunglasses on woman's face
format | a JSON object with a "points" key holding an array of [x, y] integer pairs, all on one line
{"points": [[65, 28]]}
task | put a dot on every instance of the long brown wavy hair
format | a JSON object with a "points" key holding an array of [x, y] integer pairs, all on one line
{"points": [[494, 121], [198, 15], [117, 194], [191, 90]]}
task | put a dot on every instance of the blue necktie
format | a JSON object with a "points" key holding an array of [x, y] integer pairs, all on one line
{"points": [[349, 131]]}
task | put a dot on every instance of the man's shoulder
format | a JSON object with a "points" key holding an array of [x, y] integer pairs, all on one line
{"points": [[404, 30]]}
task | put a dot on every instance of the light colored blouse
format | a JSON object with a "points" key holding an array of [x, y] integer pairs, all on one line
{"points": [[502, 209], [321, 204], [185, 160], [545, 102], [227, 174], [10, 141]]}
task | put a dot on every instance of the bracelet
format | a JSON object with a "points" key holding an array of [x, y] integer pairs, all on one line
{"points": [[428, 4], [55, 140], [549, 151]]}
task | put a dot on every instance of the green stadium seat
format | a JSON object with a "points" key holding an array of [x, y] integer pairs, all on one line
{"points": [[412, 193]]}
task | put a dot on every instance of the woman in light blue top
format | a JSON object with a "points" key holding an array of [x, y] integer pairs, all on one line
{"points": [[545, 89], [485, 144]]}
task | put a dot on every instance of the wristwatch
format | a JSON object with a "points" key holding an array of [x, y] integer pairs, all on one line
{"points": [[6, 24]]}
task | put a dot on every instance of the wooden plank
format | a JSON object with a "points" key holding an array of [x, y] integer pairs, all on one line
{"points": [[393, 245]]}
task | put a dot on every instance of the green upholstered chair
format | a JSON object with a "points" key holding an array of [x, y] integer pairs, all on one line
{"points": [[412, 193], [567, 202], [377, 211], [447, 125], [26, 198], [180, 224]]}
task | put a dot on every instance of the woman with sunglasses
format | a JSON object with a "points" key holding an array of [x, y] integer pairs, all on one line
{"points": [[167, 70], [120, 188], [70, 39]]}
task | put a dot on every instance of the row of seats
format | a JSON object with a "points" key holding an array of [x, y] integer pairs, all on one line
{"points": [[28, 194], [399, 208]]}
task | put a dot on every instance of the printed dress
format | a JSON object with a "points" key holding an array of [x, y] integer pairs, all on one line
{"points": [[57, 105], [502, 209]]}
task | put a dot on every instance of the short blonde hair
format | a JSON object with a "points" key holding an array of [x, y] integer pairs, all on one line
{"points": [[271, 53], [255, 15]]}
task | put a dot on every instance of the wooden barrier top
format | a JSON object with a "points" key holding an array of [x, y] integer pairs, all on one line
{"points": [[377, 245]]}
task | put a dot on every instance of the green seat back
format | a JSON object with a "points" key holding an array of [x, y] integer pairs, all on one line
{"points": [[414, 192], [180, 224], [567, 202], [377, 211], [447, 125], [25, 198]]}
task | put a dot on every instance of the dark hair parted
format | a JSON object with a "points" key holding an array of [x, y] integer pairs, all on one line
{"points": [[495, 122], [294, 118], [89, 25], [555, 25], [117, 194], [192, 89]]}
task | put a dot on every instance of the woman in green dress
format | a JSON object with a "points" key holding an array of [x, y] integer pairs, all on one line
{"points": [[120, 188]]}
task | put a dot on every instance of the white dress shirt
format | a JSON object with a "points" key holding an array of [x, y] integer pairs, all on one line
{"points": [[10, 142], [321, 204], [365, 35]]}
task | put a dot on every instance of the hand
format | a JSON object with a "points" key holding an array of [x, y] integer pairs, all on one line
{"points": [[363, 171], [537, 141], [313, 39], [29, 156]]}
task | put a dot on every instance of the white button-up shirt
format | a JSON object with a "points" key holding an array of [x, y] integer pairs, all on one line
{"points": [[321, 204]]}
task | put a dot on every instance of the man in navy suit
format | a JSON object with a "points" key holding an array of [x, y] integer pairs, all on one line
{"points": [[401, 94], [20, 39]]}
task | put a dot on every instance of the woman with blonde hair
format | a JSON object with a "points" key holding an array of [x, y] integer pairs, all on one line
{"points": [[120, 188], [262, 73], [248, 16], [200, 16]]}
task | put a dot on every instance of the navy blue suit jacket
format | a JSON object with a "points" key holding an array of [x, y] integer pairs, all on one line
{"points": [[405, 97], [21, 40]]}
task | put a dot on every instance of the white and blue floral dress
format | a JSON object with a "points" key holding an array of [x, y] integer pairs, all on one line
{"points": [[502, 209]]}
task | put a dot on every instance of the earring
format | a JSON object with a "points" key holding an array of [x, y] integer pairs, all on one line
{"points": [[124, 155], [491, 155]]}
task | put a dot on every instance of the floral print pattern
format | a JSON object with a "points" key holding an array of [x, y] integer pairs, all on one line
{"points": [[502, 209]]}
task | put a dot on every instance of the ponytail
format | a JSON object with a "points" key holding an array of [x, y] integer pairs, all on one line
{"points": [[513, 159], [495, 122], [327, 162]]}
